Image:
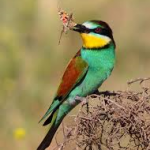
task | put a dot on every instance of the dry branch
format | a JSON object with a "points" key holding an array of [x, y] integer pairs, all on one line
{"points": [[115, 121]]}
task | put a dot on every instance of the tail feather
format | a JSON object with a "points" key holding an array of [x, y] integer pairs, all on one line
{"points": [[49, 136], [52, 108], [50, 118]]}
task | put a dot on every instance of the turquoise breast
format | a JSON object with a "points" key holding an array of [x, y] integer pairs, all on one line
{"points": [[101, 63]]}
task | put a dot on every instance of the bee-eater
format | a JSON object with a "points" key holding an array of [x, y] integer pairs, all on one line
{"points": [[85, 73]]}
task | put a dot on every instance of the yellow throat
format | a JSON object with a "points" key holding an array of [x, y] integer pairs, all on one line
{"points": [[91, 41]]}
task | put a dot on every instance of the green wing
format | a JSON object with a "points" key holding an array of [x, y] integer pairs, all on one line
{"points": [[73, 74]]}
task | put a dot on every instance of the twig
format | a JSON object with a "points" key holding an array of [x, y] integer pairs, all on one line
{"points": [[138, 80], [114, 103]]}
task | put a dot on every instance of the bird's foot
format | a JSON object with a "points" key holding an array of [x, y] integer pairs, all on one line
{"points": [[84, 101]]}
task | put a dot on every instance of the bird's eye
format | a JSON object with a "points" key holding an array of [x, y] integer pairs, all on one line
{"points": [[98, 30]]}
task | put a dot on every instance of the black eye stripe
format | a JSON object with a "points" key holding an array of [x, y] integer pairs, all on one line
{"points": [[96, 30], [99, 30], [106, 32]]}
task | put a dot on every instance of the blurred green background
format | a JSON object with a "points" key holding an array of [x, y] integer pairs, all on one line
{"points": [[32, 62]]}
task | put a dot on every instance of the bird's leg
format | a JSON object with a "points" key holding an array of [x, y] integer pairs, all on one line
{"points": [[84, 101]]}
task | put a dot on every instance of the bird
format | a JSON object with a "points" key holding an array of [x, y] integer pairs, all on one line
{"points": [[87, 70]]}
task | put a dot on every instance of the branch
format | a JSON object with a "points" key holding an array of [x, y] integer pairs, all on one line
{"points": [[111, 119]]}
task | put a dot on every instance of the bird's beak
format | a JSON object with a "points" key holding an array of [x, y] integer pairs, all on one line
{"points": [[79, 28]]}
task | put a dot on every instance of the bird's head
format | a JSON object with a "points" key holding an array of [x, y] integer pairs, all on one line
{"points": [[95, 34]]}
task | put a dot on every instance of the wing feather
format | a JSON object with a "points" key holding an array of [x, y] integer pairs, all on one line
{"points": [[74, 73]]}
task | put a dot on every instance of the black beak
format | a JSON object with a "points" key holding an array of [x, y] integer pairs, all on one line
{"points": [[79, 28]]}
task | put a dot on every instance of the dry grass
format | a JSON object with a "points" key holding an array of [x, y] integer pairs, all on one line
{"points": [[112, 120]]}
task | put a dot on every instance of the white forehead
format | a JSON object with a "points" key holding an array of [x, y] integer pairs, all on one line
{"points": [[90, 25]]}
